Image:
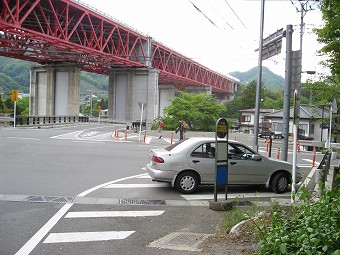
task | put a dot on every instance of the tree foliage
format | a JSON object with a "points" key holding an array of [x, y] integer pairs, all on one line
{"points": [[245, 98], [7, 105], [330, 34], [200, 110]]}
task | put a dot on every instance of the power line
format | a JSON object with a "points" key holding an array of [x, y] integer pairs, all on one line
{"points": [[220, 16], [235, 14], [203, 14]]}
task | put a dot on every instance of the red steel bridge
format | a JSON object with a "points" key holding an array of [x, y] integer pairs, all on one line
{"points": [[69, 31]]}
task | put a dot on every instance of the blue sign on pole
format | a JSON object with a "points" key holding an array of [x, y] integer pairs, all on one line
{"points": [[222, 175]]}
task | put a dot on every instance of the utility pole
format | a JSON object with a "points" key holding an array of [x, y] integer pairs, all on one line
{"points": [[297, 99], [287, 92], [258, 88]]}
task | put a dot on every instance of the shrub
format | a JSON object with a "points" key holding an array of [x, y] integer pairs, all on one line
{"points": [[308, 228]]}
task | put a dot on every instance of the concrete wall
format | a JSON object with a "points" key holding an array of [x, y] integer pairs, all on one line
{"points": [[55, 90], [130, 87], [166, 92]]}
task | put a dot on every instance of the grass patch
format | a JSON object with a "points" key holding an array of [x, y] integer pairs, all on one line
{"points": [[238, 214]]}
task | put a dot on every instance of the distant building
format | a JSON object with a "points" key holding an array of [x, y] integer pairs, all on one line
{"points": [[310, 123], [247, 120]]}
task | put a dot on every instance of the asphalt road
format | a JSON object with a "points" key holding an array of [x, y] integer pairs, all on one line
{"points": [[78, 190]]}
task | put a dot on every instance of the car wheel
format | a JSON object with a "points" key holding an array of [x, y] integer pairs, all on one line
{"points": [[280, 183], [186, 182]]}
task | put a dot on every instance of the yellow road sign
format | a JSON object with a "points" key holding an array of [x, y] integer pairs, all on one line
{"points": [[15, 95]]}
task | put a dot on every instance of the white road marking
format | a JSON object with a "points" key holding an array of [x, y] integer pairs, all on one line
{"points": [[311, 161], [34, 241], [87, 236], [86, 192], [238, 195], [23, 138], [38, 236], [67, 135], [148, 140], [103, 214], [87, 141], [130, 186], [145, 176], [305, 165]]}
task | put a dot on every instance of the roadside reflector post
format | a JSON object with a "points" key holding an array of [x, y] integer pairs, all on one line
{"points": [[314, 156], [171, 138], [144, 136]]}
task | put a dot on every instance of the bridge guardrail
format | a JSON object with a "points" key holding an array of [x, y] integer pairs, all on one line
{"points": [[45, 120]]}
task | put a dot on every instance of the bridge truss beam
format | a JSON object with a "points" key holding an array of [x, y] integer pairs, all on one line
{"points": [[65, 31]]}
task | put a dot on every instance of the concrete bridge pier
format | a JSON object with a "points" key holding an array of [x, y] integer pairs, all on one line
{"points": [[130, 87], [166, 92], [54, 90], [199, 90]]}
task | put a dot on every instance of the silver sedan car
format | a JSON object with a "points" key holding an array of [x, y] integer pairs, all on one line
{"points": [[191, 162]]}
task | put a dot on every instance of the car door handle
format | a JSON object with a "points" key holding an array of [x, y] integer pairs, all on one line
{"points": [[196, 161], [233, 163]]}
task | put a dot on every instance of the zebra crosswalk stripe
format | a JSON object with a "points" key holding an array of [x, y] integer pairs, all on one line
{"points": [[87, 236], [102, 214]]}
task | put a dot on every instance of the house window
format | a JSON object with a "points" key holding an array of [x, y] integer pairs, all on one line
{"points": [[247, 118], [311, 129], [277, 127], [303, 128]]}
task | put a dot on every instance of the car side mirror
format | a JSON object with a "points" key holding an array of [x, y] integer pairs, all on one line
{"points": [[256, 157]]}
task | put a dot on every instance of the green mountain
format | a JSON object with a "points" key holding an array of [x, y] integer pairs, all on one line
{"points": [[15, 74], [269, 79]]}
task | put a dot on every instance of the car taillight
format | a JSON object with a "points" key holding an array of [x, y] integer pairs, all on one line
{"points": [[157, 159]]}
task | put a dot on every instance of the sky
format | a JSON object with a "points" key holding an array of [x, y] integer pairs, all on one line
{"points": [[223, 34]]}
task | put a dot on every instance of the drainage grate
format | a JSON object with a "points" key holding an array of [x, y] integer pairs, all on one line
{"points": [[186, 238], [132, 201], [180, 241], [49, 199]]}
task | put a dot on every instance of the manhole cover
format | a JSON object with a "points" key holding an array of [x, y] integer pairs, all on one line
{"points": [[131, 201], [180, 241]]}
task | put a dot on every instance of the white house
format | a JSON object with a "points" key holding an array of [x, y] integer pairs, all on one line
{"points": [[247, 119], [310, 122]]}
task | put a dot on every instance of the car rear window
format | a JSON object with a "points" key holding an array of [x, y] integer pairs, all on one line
{"points": [[169, 148]]}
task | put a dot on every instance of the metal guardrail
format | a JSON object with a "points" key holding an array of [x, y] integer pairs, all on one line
{"points": [[44, 120], [322, 172]]}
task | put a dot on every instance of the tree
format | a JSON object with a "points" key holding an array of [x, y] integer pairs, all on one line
{"points": [[200, 111], [249, 95], [330, 33], [23, 106], [245, 98]]}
